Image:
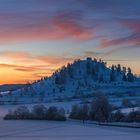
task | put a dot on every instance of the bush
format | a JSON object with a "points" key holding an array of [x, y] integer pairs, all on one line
{"points": [[133, 116], [62, 114], [20, 113], [118, 116], [80, 112], [39, 112], [10, 115], [74, 112], [54, 114]]}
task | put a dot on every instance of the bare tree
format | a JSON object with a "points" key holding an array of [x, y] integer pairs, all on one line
{"points": [[100, 108]]}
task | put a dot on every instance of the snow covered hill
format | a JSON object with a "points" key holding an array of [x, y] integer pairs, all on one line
{"points": [[81, 79]]}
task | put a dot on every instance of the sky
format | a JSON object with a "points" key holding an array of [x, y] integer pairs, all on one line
{"points": [[39, 36]]}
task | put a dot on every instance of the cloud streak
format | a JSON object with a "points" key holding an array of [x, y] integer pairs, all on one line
{"points": [[80, 20], [39, 66]]}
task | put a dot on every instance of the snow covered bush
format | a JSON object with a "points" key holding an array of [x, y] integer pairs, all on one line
{"points": [[74, 112], [21, 113], [10, 115], [39, 112], [54, 114], [118, 116], [80, 112], [133, 116]]}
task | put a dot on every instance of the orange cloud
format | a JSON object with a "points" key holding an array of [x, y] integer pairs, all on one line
{"points": [[20, 69], [54, 59], [24, 57]]}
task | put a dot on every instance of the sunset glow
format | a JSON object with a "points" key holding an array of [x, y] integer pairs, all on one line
{"points": [[39, 36]]}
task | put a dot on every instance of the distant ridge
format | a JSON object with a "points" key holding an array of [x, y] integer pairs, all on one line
{"points": [[10, 87]]}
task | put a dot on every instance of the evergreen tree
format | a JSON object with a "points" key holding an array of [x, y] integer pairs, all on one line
{"points": [[124, 78], [130, 77], [88, 68], [119, 68], [112, 74], [101, 79]]}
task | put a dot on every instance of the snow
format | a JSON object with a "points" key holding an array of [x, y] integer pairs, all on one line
{"points": [[69, 130], [43, 130], [128, 110]]}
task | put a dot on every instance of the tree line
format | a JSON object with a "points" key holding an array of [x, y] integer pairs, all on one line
{"points": [[38, 112], [99, 110]]}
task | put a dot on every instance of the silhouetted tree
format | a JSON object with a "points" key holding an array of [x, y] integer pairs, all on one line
{"points": [[130, 77], [119, 68], [100, 109], [112, 74]]}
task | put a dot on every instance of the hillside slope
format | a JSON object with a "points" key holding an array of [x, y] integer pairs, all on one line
{"points": [[10, 87]]}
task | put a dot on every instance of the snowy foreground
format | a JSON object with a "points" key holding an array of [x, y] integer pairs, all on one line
{"points": [[51, 130], [69, 130]]}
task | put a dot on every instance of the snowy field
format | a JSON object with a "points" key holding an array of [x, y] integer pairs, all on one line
{"points": [[50, 130], [69, 130]]}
